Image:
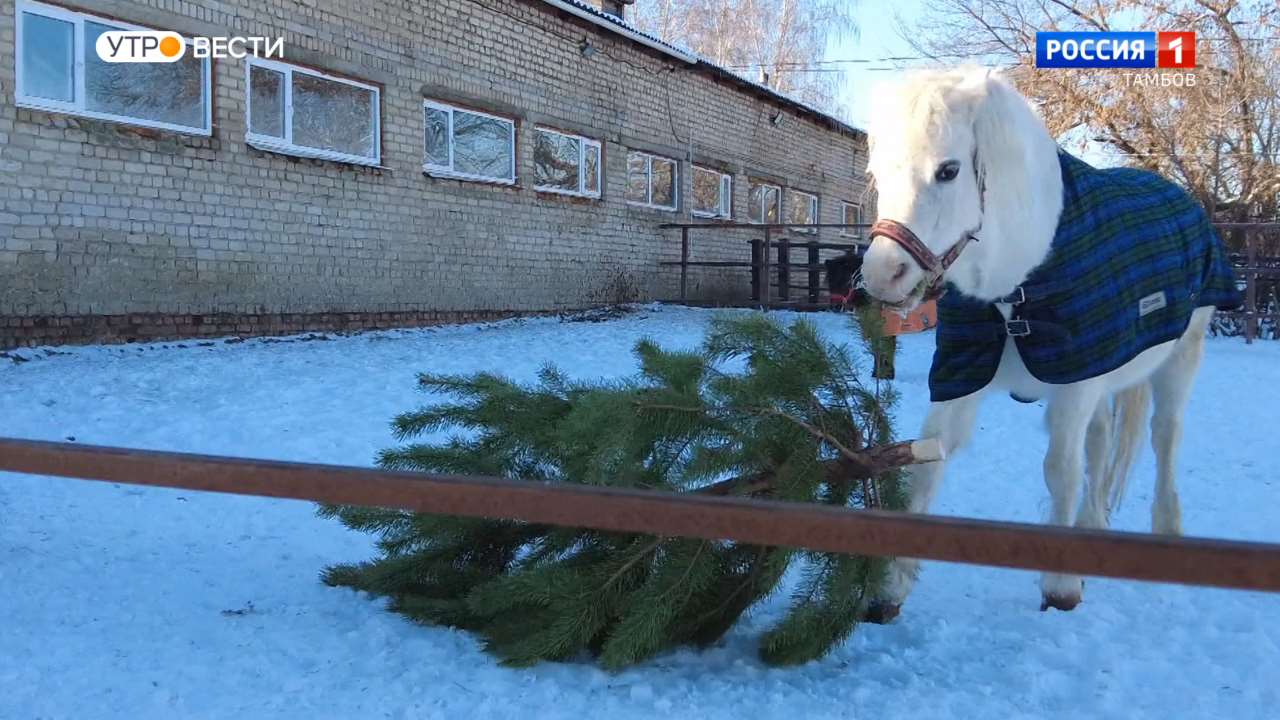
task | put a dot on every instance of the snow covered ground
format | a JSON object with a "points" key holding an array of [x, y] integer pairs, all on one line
{"points": [[126, 602]]}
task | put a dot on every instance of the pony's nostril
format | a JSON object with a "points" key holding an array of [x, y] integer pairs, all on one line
{"points": [[902, 270]]}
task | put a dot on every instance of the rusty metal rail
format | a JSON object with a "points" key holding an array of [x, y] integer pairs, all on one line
{"points": [[1193, 561]]}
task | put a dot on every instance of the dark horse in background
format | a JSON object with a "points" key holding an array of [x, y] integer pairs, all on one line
{"points": [[843, 275]]}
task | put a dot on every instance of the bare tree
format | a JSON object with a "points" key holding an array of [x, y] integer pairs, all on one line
{"points": [[1217, 134], [779, 42]]}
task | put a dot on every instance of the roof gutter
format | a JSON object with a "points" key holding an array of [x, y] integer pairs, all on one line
{"points": [[622, 30]]}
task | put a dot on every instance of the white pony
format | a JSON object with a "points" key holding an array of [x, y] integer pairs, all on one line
{"points": [[961, 153]]}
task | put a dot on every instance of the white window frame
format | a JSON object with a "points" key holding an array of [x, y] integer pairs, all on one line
{"points": [[813, 208], [781, 208], [286, 145], [851, 232], [583, 144], [448, 171], [77, 105], [648, 169], [725, 211]]}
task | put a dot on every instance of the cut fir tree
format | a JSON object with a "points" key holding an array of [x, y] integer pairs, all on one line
{"points": [[761, 410]]}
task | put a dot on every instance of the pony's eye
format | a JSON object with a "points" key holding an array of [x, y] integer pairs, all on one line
{"points": [[947, 171]]}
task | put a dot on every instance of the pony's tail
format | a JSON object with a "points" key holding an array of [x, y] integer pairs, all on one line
{"points": [[1130, 424]]}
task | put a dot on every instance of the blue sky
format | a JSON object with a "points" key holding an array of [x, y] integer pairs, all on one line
{"points": [[877, 37]]}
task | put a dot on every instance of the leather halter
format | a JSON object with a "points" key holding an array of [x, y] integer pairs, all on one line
{"points": [[935, 266]]}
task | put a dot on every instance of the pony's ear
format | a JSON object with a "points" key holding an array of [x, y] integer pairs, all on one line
{"points": [[999, 115]]}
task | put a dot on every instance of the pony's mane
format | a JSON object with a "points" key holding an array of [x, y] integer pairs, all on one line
{"points": [[919, 94]]}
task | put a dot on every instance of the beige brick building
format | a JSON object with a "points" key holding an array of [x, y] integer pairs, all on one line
{"points": [[435, 128]]}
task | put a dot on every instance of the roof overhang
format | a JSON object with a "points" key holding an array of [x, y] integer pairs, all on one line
{"points": [[618, 26], [599, 18]]}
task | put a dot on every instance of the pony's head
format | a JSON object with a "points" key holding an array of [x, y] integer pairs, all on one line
{"points": [[940, 144]]}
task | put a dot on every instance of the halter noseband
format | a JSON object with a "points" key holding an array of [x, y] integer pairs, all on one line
{"points": [[935, 266]]}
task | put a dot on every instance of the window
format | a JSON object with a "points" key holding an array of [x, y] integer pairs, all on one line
{"points": [[58, 69], [304, 112], [851, 214], [651, 181], [712, 193], [802, 209], [566, 164], [469, 145], [763, 200]]}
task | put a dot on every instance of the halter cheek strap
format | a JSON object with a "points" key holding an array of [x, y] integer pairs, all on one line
{"points": [[935, 266], [909, 241]]}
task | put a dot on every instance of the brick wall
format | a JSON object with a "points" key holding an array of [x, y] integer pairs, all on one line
{"points": [[99, 220]]}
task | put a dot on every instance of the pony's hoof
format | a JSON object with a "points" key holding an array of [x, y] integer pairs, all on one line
{"points": [[1065, 603], [880, 613]]}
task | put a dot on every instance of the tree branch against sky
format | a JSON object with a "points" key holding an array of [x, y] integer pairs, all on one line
{"points": [[1219, 138], [786, 39]]}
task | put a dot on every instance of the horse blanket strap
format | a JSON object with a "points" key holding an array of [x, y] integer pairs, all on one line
{"points": [[1132, 257], [998, 330]]}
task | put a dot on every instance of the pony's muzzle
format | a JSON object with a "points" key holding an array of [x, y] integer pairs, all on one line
{"points": [[890, 273]]}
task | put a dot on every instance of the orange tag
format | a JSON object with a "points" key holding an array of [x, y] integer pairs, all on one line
{"points": [[921, 319]]}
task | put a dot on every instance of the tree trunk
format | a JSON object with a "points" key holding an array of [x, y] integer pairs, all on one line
{"points": [[865, 464]]}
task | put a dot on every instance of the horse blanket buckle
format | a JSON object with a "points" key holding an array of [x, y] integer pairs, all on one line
{"points": [[1017, 297]]}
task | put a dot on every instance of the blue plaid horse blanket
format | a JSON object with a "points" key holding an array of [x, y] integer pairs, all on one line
{"points": [[1132, 257]]}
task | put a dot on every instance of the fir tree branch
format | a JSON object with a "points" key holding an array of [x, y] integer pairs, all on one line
{"points": [[630, 563], [757, 569], [687, 572], [742, 485], [812, 430]]}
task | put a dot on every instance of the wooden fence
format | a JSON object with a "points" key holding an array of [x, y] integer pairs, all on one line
{"points": [[771, 264], [773, 272], [1195, 561], [1258, 268]]}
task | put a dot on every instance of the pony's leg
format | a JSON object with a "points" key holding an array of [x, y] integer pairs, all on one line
{"points": [[1070, 411], [1170, 386], [1097, 451], [951, 423]]}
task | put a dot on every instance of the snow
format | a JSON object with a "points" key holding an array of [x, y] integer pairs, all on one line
{"points": [[130, 602]]}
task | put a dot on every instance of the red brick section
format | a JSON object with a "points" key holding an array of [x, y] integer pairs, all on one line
{"points": [[25, 331]]}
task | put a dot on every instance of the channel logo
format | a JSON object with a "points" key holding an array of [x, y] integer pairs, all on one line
{"points": [[140, 46], [1116, 50], [155, 46]]}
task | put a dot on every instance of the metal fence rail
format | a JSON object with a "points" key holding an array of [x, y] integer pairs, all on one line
{"points": [[1193, 561]]}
